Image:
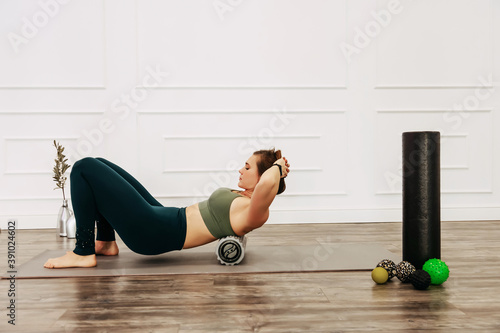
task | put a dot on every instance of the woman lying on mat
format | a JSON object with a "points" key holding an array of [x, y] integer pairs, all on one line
{"points": [[103, 192]]}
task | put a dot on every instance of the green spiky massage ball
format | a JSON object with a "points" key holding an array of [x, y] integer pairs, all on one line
{"points": [[437, 269]]}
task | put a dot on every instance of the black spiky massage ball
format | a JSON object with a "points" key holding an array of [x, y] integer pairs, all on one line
{"points": [[420, 279]]}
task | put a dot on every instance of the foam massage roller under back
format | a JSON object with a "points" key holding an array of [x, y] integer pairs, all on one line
{"points": [[231, 250]]}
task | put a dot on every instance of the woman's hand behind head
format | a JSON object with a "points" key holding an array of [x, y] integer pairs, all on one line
{"points": [[285, 166]]}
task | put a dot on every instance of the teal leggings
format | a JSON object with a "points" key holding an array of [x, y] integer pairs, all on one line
{"points": [[103, 192]]}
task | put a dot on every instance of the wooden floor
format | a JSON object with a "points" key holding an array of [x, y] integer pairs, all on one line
{"points": [[300, 302]]}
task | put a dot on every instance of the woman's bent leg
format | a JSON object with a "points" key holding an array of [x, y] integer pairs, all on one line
{"points": [[99, 191], [105, 231], [132, 181]]}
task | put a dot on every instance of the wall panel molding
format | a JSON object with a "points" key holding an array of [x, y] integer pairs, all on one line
{"points": [[50, 112], [66, 52], [21, 141], [316, 64], [436, 56], [238, 111], [467, 148]]}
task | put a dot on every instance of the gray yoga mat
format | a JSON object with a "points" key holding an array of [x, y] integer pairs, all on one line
{"points": [[258, 259]]}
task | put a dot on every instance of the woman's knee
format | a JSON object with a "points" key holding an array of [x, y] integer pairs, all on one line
{"points": [[83, 164], [101, 159]]}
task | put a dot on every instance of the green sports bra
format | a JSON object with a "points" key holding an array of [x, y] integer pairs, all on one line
{"points": [[215, 212]]}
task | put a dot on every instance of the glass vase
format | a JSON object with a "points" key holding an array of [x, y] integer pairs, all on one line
{"points": [[62, 217], [71, 226]]}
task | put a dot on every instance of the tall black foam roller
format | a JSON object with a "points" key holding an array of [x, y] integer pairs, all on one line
{"points": [[421, 197]]}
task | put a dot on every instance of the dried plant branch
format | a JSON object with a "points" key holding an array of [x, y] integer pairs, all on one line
{"points": [[60, 168]]}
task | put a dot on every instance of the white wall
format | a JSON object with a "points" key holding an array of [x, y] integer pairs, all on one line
{"points": [[180, 93]]}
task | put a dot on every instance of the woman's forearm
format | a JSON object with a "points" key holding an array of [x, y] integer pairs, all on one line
{"points": [[264, 193], [270, 180]]}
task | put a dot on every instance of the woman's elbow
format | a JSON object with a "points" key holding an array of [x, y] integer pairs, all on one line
{"points": [[256, 221], [253, 225]]}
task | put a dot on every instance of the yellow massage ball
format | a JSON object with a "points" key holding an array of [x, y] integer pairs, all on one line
{"points": [[380, 275]]}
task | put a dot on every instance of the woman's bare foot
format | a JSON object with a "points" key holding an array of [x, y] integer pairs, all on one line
{"points": [[106, 248], [71, 259]]}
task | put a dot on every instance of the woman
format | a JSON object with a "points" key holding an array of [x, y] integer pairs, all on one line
{"points": [[103, 192]]}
